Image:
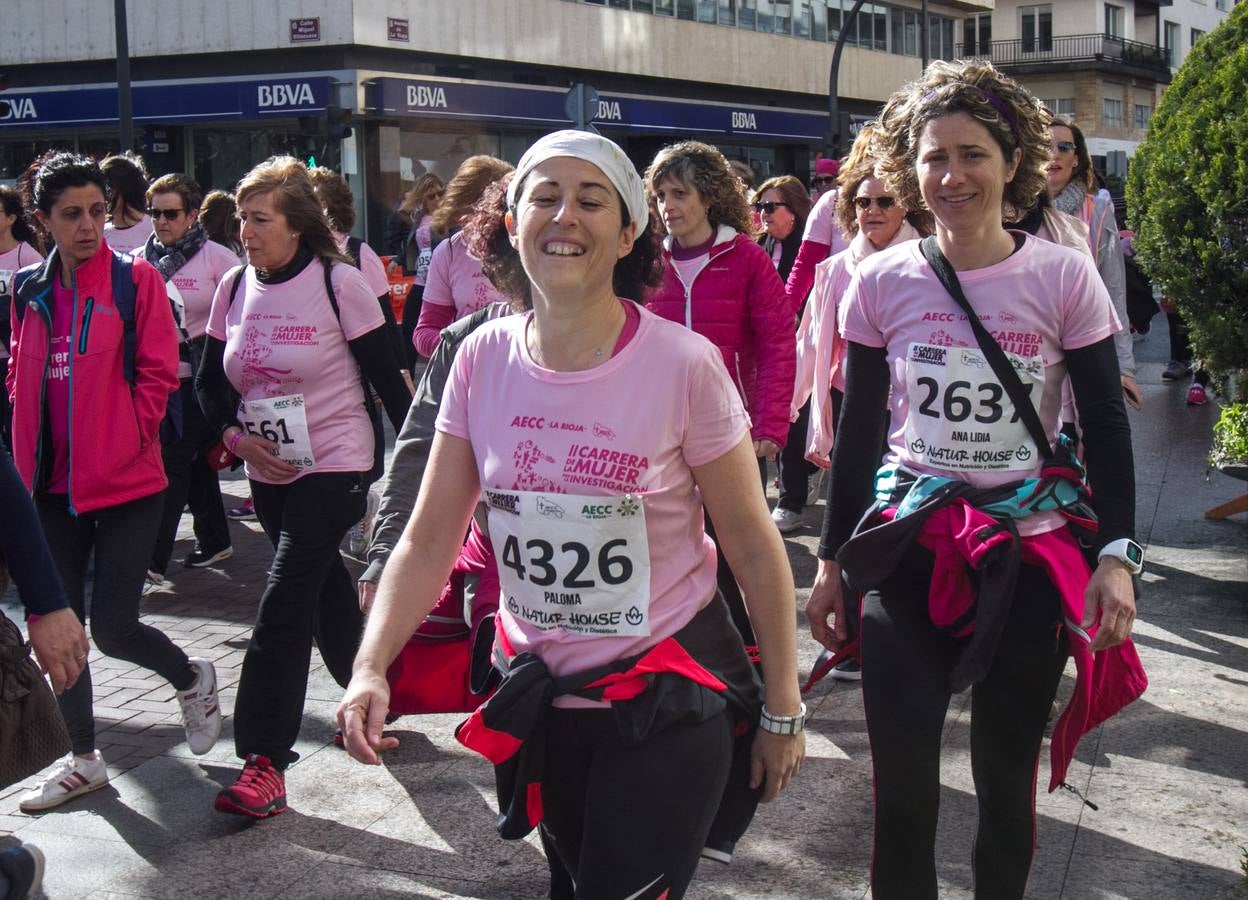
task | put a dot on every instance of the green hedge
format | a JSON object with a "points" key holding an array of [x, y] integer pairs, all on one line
{"points": [[1187, 194]]}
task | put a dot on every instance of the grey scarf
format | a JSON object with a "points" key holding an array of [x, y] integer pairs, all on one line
{"points": [[168, 260], [1070, 199]]}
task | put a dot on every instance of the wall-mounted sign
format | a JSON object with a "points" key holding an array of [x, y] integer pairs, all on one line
{"points": [[308, 29], [397, 30]]}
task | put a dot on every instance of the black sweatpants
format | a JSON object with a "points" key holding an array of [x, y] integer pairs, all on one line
{"points": [[117, 536], [631, 821], [191, 481], [906, 664], [795, 468], [411, 313], [309, 595]]}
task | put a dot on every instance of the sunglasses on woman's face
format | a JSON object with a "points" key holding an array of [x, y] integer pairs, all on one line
{"points": [[823, 181], [169, 214], [768, 207], [864, 203], [1064, 147]]}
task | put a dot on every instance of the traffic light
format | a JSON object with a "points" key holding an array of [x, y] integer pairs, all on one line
{"points": [[338, 123]]}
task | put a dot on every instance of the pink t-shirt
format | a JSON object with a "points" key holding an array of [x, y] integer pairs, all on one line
{"points": [[56, 390], [19, 257], [283, 339], [370, 266], [455, 279], [949, 415], [128, 240], [570, 448], [822, 227], [424, 249], [197, 283]]}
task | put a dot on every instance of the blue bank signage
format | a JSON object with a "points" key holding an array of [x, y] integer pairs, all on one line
{"points": [[167, 103], [544, 109]]}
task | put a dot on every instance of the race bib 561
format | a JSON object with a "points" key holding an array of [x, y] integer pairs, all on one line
{"points": [[284, 421], [961, 418], [577, 563]]}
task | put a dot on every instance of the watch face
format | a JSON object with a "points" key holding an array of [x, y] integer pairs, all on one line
{"points": [[1135, 553]]}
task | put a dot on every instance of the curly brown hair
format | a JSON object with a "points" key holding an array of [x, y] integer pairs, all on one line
{"points": [[471, 179], [487, 237], [286, 178], [850, 180], [703, 168], [792, 192], [335, 196], [970, 87]]}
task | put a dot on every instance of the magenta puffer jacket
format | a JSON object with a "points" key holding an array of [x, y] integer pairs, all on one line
{"points": [[737, 301]]}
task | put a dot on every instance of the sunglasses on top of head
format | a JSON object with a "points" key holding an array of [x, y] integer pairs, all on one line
{"points": [[1065, 146], [882, 202], [769, 207], [169, 214]]}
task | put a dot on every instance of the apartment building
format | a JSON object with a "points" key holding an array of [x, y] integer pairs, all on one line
{"points": [[1100, 64], [221, 84]]}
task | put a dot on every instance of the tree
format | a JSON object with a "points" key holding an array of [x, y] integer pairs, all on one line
{"points": [[1187, 193]]}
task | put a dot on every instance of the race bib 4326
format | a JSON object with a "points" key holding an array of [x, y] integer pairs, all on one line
{"points": [[961, 418], [576, 563]]}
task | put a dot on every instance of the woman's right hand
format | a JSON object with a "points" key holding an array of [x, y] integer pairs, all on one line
{"points": [[368, 593], [261, 455], [362, 717], [827, 602]]}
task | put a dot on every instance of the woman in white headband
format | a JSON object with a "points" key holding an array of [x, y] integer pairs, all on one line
{"points": [[594, 431]]}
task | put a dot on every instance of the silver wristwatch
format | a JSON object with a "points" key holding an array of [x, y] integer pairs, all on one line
{"points": [[785, 725]]}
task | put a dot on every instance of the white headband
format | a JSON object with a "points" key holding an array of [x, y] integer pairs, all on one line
{"points": [[592, 148]]}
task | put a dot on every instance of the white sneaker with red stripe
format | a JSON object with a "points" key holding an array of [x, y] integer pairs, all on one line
{"points": [[201, 710], [72, 777]]}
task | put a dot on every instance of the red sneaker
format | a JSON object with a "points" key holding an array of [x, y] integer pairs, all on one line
{"points": [[260, 791]]}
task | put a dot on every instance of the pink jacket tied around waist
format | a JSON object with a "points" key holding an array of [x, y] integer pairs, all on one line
{"points": [[1105, 682]]}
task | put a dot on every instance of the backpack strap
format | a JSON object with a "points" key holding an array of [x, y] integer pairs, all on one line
{"points": [[328, 267], [124, 299], [353, 250], [238, 277]]}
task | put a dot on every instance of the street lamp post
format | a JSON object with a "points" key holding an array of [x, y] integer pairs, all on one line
{"points": [[125, 112], [834, 101]]}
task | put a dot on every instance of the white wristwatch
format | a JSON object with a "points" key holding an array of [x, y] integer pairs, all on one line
{"points": [[785, 725], [1127, 552]]}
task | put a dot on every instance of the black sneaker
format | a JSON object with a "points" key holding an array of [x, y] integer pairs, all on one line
{"points": [[199, 557], [22, 867], [1176, 370]]}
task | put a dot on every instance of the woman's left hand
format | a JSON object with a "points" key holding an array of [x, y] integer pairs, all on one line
{"points": [[1109, 602], [1130, 391], [775, 760]]}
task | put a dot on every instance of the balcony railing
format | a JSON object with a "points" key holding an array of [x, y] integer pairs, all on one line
{"points": [[1071, 49]]}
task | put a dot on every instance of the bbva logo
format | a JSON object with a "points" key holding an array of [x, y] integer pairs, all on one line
{"points": [[744, 120], [18, 108], [425, 96], [609, 110], [299, 94]]}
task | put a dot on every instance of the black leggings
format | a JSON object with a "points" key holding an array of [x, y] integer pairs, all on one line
{"points": [[631, 821], [118, 537], [411, 314], [309, 595], [906, 664], [795, 468]]}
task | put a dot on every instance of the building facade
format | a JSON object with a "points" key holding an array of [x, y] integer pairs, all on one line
{"points": [[219, 85]]}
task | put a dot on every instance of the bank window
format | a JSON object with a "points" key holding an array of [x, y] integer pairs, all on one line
{"points": [[802, 25], [819, 20], [1113, 20], [684, 9], [643, 6], [706, 11], [747, 14], [977, 36], [1143, 115], [727, 12], [665, 7], [1037, 28], [784, 16]]}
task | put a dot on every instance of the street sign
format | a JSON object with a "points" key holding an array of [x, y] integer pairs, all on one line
{"points": [[581, 106]]}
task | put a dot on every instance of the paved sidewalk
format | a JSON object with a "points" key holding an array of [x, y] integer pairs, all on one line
{"points": [[1168, 774]]}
